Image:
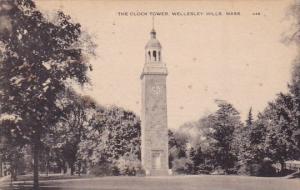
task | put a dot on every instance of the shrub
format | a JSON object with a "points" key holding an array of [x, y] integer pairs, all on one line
{"points": [[128, 165], [218, 171], [140, 172], [182, 166], [267, 169], [244, 170], [102, 169], [231, 171], [115, 171], [263, 168], [255, 169]]}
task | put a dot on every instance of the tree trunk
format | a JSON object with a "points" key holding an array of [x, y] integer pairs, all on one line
{"points": [[1, 172], [79, 168], [72, 169], [36, 149], [68, 168], [13, 171], [47, 168], [47, 162], [282, 164], [63, 169]]}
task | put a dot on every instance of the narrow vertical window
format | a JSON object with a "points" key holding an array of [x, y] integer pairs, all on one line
{"points": [[159, 56], [154, 55], [149, 56]]}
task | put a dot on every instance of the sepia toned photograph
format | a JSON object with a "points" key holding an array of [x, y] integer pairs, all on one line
{"points": [[149, 95]]}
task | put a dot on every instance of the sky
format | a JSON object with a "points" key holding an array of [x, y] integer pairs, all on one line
{"points": [[240, 59]]}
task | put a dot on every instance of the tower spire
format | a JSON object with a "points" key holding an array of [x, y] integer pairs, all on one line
{"points": [[153, 22], [153, 33]]}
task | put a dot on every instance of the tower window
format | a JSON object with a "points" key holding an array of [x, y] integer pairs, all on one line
{"points": [[159, 56], [154, 55], [149, 55]]}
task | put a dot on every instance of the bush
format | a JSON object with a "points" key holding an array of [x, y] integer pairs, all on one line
{"points": [[182, 166], [203, 169], [115, 171], [218, 171], [267, 169], [244, 170], [255, 169], [203, 172], [140, 172], [128, 165], [264, 168], [231, 171], [103, 169]]}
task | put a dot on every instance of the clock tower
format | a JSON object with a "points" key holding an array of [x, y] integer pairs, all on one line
{"points": [[154, 110]]}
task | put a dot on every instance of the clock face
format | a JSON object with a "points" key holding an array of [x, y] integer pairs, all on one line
{"points": [[156, 89]]}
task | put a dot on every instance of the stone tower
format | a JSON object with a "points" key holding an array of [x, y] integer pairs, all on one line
{"points": [[154, 110]]}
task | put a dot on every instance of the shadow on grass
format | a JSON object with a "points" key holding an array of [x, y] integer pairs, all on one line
{"points": [[294, 175], [51, 177], [25, 182]]}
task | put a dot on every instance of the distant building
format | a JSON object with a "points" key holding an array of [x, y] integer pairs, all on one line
{"points": [[293, 165]]}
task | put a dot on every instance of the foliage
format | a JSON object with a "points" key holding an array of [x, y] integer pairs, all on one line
{"points": [[113, 134], [279, 146], [102, 169], [129, 165], [11, 150], [182, 166], [223, 124], [177, 146], [38, 57], [216, 147], [67, 134], [251, 147]]}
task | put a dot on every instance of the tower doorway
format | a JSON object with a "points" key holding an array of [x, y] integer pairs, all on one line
{"points": [[156, 160]]}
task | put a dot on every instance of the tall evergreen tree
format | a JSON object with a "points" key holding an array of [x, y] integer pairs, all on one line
{"points": [[223, 125], [192, 156], [198, 159], [249, 120]]}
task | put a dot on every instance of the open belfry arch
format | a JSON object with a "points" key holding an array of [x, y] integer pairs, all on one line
{"points": [[154, 110]]}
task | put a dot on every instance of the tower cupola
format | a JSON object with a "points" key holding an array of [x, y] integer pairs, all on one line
{"points": [[153, 49]]}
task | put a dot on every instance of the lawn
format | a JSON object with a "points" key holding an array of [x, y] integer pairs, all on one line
{"points": [[202, 182]]}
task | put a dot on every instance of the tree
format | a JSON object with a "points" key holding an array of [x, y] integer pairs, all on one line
{"points": [[39, 56], [294, 89], [198, 160], [251, 147], [249, 120], [72, 128], [279, 144], [182, 166], [171, 146], [114, 134], [12, 145], [223, 124], [191, 157]]}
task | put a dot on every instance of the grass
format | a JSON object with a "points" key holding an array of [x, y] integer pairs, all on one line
{"points": [[202, 182]]}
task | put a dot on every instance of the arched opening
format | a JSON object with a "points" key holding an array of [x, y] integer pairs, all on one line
{"points": [[154, 55], [159, 56], [149, 56]]}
